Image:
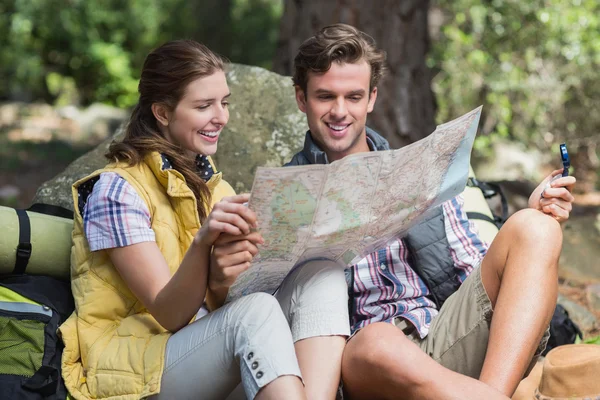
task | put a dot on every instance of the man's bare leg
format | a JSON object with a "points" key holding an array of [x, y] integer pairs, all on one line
{"points": [[519, 274], [320, 360], [381, 363]]}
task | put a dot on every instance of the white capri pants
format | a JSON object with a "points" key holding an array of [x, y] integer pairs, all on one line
{"points": [[251, 340]]}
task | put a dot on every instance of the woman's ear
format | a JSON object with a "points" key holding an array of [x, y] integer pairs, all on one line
{"points": [[161, 113]]}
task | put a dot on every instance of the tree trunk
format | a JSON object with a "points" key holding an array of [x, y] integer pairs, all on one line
{"points": [[212, 25], [405, 109]]}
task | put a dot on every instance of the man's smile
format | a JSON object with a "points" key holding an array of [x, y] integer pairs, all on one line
{"points": [[337, 129]]}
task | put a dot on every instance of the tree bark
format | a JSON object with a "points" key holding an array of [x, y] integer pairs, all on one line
{"points": [[405, 108]]}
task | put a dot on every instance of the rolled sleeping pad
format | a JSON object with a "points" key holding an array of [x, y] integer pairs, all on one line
{"points": [[476, 203], [50, 244]]}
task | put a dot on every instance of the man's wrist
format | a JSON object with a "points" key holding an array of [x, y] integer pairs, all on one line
{"points": [[217, 286], [215, 297]]}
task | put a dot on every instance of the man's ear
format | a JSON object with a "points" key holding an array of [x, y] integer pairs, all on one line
{"points": [[300, 98], [161, 113], [372, 98]]}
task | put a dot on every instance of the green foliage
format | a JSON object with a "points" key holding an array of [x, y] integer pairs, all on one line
{"points": [[592, 340], [62, 88], [255, 26], [533, 64], [70, 51], [92, 42]]}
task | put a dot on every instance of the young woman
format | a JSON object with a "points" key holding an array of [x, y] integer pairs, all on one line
{"points": [[143, 235]]}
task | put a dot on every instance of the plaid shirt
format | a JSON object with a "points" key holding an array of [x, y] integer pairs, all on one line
{"points": [[385, 286], [114, 214]]}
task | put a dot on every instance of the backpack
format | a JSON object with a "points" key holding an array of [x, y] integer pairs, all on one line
{"points": [[33, 306], [489, 190], [562, 329], [31, 310]]}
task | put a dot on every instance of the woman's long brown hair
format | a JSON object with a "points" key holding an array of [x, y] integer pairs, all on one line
{"points": [[166, 73]]}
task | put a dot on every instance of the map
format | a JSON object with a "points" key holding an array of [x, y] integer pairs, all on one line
{"points": [[344, 210]]}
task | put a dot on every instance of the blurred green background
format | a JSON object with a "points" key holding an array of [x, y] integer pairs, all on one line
{"points": [[85, 51]]}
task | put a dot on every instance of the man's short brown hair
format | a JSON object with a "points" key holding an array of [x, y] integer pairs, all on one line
{"points": [[339, 43]]}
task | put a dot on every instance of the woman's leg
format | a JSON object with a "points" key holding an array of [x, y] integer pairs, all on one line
{"points": [[247, 340], [314, 299]]}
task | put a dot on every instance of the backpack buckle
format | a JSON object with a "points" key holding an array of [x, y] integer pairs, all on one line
{"points": [[472, 182], [24, 251], [487, 189]]}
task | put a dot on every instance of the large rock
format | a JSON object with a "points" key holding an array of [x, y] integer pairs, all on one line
{"points": [[265, 129], [583, 318]]}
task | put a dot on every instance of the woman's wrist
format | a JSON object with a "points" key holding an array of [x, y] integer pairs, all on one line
{"points": [[200, 244], [201, 241]]}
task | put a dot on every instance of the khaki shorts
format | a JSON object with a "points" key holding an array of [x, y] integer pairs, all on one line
{"points": [[458, 335]]}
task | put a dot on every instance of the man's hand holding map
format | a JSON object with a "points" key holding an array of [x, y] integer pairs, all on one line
{"points": [[344, 210]]}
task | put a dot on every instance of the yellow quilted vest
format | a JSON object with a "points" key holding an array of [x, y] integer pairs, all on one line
{"points": [[114, 348]]}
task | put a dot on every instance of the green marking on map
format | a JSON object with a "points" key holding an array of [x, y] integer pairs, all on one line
{"points": [[292, 207]]}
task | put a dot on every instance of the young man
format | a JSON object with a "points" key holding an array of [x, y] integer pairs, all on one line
{"points": [[480, 343]]}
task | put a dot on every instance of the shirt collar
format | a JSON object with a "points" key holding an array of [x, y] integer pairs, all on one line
{"points": [[204, 166], [371, 144]]}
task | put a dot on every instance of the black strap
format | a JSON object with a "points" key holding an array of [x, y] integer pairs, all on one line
{"points": [[483, 217], [24, 246], [350, 291], [490, 190], [50, 209], [44, 381]]}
